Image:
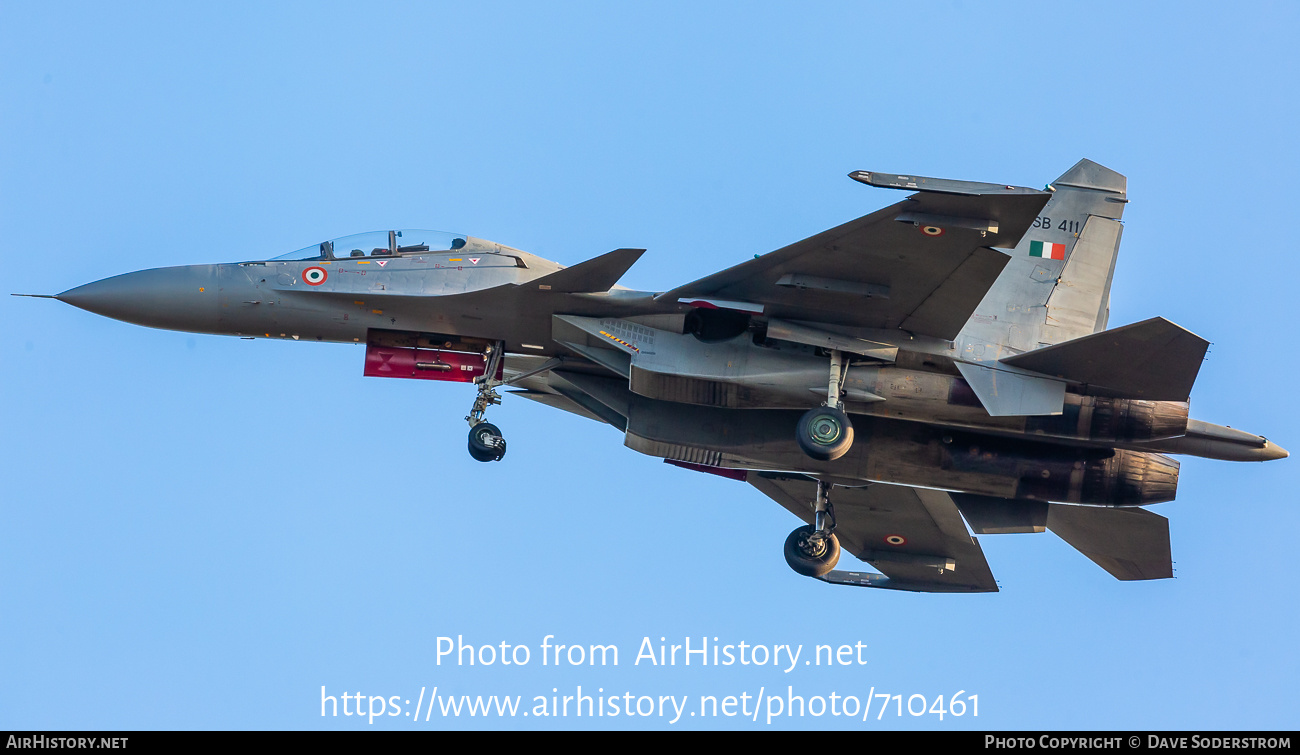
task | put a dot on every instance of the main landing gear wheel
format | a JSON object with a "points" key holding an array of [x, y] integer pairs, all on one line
{"points": [[825, 433], [486, 443], [813, 550], [811, 556]]}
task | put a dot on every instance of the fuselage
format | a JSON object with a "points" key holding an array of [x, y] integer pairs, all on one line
{"points": [[341, 299], [485, 291]]}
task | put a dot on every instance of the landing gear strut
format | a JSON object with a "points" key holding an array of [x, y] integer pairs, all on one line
{"points": [[825, 433], [813, 550], [485, 441]]}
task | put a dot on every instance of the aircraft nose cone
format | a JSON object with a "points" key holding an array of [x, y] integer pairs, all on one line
{"points": [[174, 298], [1272, 451]]}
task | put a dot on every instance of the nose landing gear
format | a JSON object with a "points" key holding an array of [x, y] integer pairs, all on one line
{"points": [[485, 440]]}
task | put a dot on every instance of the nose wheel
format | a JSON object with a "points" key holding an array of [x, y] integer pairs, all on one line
{"points": [[485, 440], [486, 443]]}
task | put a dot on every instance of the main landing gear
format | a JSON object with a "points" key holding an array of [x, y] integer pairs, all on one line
{"points": [[813, 550], [825, 433], [485, 441]]}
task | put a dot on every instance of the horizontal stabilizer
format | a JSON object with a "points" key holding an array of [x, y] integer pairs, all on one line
{"points": [[1130, 543], [1154, 360], [1011, 393], [596, 275]]}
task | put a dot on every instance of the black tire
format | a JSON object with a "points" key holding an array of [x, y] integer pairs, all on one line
{"points": [[486, 443], [825, 433], [480, 455], [813, 565]]}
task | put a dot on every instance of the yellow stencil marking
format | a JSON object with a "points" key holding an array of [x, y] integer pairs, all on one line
{"points": [[620, 340]]}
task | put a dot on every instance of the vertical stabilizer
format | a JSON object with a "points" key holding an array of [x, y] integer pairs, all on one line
{"points": [[1057, 285]]}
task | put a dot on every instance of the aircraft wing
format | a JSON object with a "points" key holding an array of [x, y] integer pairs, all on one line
{"points": [[922, 265], [914, 536]]}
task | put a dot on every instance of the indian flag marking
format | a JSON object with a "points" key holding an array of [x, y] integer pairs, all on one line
{"points": [[1047, 250]]}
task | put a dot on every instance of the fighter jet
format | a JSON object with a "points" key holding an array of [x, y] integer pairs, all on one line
{"points": [[937, 369]]}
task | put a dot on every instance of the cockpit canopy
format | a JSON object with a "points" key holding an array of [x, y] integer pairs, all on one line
{"points": [[389, 244]]}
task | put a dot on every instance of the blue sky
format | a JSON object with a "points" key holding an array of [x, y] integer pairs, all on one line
{"points": [[201, 532]]}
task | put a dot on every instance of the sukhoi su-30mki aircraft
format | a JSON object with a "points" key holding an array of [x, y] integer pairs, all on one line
{"points": [[937, 368]]}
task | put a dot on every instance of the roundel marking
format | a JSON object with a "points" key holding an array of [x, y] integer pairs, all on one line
{"points": [[314, 276], [895, 540], [931, 230]]}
